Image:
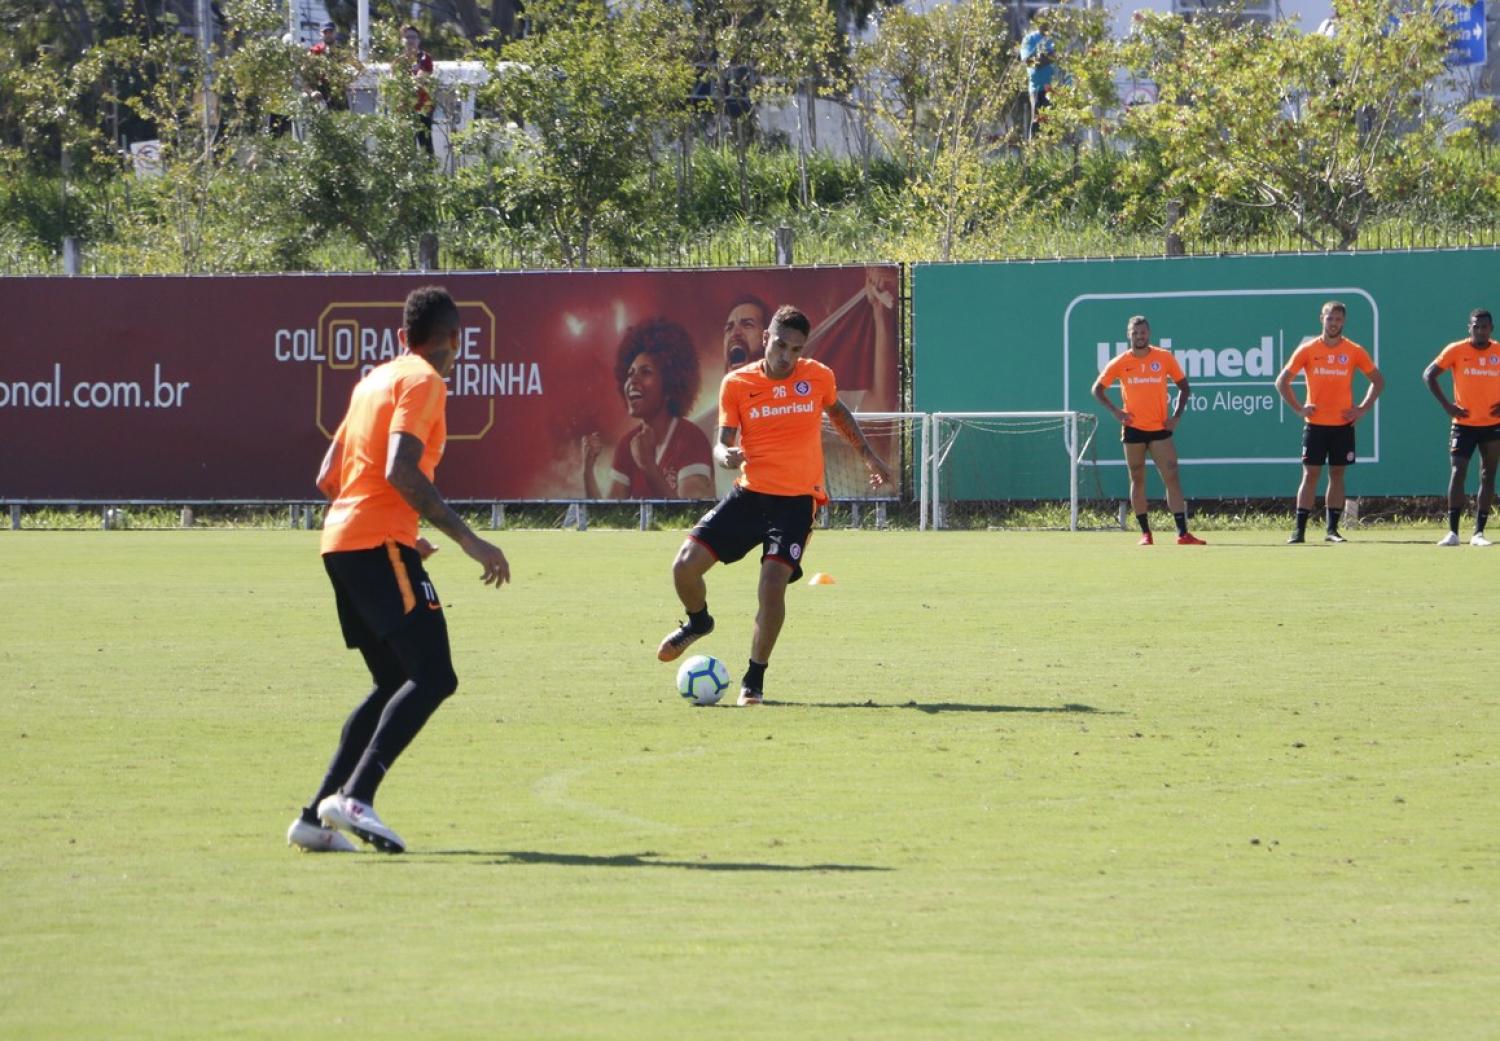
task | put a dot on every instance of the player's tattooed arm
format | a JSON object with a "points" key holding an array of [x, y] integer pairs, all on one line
{"points": [[848, 427], [402, 470], [728, 453]]}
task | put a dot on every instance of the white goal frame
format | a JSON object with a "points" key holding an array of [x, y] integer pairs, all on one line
{"points": [[922, 426], [932, 486]]}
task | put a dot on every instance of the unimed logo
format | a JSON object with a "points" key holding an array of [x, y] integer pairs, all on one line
{"points": [[1230, 344]]}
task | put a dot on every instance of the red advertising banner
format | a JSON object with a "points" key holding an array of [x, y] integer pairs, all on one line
{"points": [[227, 388]]}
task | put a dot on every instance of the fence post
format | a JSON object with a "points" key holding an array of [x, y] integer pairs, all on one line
{"points": [[880, 516], [427, 251], [15, 518], [497, 516], [186, 520], [784, 246], [72, 256], [1174, 240], [854, 515], [646, 512]]}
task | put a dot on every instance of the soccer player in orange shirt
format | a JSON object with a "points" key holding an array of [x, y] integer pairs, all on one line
{"points": [[1143, 372], [1328, 363], [378, 475], [771, 430], [1475, 409]]}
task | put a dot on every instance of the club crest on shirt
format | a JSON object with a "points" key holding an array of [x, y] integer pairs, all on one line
{"points": [[802, 387], [1156, 366]]}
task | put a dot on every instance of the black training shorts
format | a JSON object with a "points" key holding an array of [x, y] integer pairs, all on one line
{"points": [[381, 590], [1463, 439], [1333, 446], [1135, 436], [780, 524]]}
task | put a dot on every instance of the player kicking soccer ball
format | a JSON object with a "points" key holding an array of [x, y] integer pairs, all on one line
{"points": [[771, 430], [378, 478]]}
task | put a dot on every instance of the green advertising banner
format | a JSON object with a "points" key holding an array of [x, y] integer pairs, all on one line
{"points": [[1028, 337]]}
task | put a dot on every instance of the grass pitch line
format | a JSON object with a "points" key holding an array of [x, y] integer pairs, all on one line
{"points": [[553, 791]]}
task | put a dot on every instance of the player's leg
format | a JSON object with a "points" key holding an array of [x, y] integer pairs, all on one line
{"points": [[385, 669], [1307, 495], [770, 614], [688, 570], [1164, 455], [1135, 463], [1460, 449], [1489, 460], [1333, 503]]}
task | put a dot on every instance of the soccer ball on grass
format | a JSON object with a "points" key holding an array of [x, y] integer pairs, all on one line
{"points": [[702, 680]]}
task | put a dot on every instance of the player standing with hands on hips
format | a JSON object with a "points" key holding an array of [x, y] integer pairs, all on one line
{"points": [[1475, 409], [1328, 365], [1143, 372], [771, 430], [378, 476]]}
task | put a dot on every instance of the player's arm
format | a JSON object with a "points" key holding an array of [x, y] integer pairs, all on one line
{"points": [[402, 470], [727, 452], [848, 427], [1183, 393], [1284, 388], [1101, 395], [1430, 377], [1377, 384], [329, 469]]}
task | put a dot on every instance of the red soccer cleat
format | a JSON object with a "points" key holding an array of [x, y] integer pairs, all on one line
{"points": [[1190, 540], [1146, 540]]}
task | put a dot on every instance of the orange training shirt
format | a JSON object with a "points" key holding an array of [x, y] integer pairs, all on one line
{"points": [[1476, 380], [404, 395], [781, 426], [1143, 385], [1329, 369]]}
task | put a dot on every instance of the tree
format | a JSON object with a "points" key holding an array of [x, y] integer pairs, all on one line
{"points": [[939, 84], [589, 91], [1266, 118]]}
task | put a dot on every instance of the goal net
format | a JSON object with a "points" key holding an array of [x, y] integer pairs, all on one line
{"points": [[900, 439], [1012, 469]]}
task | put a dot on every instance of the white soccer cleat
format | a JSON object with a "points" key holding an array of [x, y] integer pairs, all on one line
{"points": [[361, 820], [1478, 539], [1450, 539], [312, 839]]}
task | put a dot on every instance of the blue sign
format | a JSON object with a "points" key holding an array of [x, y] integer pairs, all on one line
{"points": [[1468, 46]]}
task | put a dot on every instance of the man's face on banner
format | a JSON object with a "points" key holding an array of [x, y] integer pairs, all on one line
{"points": [[743, 335]]}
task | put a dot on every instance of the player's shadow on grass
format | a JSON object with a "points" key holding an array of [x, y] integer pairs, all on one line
{"points": [[641, 860], [934, 707]]}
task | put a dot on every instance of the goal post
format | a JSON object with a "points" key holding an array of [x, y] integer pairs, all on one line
{"points": [[1002, 469], [902, 439]]}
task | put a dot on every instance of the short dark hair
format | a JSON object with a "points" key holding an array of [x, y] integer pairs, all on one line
{"points": [[788, 317], [1334, 305], [1480, 312], [413, 28], [429, 312], [755, 302], [672, 348], [1135, 320]]}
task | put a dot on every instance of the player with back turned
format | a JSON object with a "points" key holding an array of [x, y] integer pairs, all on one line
{"points": [[378, 475], [770, 429]]}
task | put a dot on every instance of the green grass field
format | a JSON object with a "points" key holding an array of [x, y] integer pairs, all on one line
{"points": [[1025, 786]]}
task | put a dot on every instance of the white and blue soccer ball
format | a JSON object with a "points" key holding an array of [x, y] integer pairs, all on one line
{"points": [[702, 680]]}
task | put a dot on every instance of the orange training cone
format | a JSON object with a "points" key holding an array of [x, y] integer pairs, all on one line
{"points": [[820, 579]]}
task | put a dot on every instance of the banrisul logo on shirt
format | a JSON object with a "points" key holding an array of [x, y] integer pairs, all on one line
{"points": [[1230, 344], [773, 411]]}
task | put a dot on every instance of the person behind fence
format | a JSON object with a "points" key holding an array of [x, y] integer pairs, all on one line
{"points": [[377, 475], [664, 456], [1037, 52], [1146, 424], [771, 430], [1475, 410], [1327, 363], [419, 66], [329, 70]]}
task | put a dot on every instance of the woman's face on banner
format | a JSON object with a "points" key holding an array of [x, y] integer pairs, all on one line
{"points": [[644, 396]]}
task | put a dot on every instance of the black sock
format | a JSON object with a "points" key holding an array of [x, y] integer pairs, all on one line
{"points": [[1181, 519], [700, 621], [1302, 516], [755, 675], [1453, 520], [402, 720], [1480, 520], [1145, 522], [1333, 518]]}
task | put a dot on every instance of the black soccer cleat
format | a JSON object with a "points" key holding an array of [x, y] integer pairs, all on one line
{"points": [[680, 639], [1296, 538]]}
